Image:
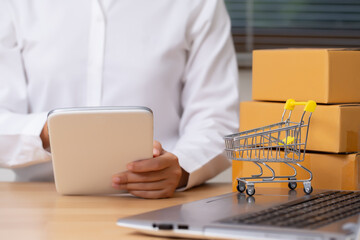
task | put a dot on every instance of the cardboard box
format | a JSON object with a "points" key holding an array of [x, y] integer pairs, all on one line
{"points": [[333, 128], [330, 171], [322, 75]]}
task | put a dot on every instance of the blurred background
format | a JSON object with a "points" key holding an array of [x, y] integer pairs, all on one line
{"points": [[263, 24], [266, 24]]}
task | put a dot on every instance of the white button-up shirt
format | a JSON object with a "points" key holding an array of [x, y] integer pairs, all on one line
{"points": [[173, 56]]}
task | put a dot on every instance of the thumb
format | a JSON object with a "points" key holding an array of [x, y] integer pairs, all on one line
{"points": [[157, 149]]}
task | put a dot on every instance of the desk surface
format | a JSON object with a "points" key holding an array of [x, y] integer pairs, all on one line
{"points": [[36, 211]]}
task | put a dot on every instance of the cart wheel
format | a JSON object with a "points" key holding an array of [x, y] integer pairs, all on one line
{"points": [[308, 191], [241, 187], [250, 191], [292, 185]]}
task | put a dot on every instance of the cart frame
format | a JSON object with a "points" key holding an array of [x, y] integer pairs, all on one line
{"points": [[283, 142]]}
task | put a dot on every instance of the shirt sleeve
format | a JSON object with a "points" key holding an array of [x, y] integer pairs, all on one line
{"points": [[210, 94], [20, 143]]}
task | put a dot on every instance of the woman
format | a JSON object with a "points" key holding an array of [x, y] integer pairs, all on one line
{"points": [[175, 57]]}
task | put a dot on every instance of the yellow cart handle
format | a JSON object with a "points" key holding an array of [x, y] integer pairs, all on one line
{"points": [[309, 105]]}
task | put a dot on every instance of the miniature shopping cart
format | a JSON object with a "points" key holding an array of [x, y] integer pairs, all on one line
{"points": [[283, 142]]}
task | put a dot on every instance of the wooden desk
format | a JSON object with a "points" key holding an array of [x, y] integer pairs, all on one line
{"points": [[36, 211]]}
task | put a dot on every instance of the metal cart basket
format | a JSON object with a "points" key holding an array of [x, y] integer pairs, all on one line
{"points": [[283, 142]]}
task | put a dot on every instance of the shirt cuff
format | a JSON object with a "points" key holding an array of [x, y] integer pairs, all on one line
{"points": [[35, 124], [209, 170]]}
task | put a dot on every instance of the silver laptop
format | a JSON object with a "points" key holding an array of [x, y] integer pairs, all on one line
{"points": [[270, 214]]}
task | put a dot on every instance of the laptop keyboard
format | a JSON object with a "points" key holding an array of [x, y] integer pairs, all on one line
{"points": [[318, 210]]}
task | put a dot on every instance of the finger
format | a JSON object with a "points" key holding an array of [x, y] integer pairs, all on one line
{"points": [[144, 186], [164, 193], [120, 178], [127, 177], [154, 164], [157, 148]]}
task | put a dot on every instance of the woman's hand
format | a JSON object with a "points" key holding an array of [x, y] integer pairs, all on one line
{"points": [[44, 135], [157, 177]]}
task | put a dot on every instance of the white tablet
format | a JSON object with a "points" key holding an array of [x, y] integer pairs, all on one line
{"points": [[89, 145]]}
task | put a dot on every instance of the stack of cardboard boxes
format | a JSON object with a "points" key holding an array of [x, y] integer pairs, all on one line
{"points": [[331, 77]]}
